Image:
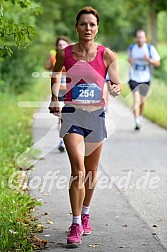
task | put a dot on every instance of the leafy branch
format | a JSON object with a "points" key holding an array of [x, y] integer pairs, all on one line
{"points": [[16, 31]]}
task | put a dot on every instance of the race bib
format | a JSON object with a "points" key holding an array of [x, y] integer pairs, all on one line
{"points": [[140, 67], [86, 93]]}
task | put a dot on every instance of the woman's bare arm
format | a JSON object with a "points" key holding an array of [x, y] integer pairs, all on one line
{"points": [[110, 60]]}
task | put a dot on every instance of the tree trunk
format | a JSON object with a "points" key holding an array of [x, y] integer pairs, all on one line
{"points": [[152, 27]]}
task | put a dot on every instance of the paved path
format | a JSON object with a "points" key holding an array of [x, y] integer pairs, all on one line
{"points": [[129, 208]]}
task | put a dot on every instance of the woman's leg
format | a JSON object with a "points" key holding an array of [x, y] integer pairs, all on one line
{"points": [[91, 166], [75, 152]]}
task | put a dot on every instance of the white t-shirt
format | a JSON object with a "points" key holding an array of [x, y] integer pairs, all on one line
{"points": [[141, 69]]}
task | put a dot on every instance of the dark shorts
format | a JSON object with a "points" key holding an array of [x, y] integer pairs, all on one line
{"points": [[142, 87], [90, 125]]}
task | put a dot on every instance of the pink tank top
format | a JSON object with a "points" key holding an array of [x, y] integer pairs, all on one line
{"points": [[85, 80]]}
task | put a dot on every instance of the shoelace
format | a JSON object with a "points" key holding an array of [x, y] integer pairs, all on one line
{"points": [[73, 230], [85, 218]]}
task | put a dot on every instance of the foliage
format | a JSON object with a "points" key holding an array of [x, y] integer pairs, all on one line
{"points": [[17, 30], [161, 72], [15, 225], [157, 5], [161, 26], [17, 71], [16, 24], [119, 19]]}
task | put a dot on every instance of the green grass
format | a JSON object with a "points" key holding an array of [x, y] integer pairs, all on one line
{"points": [[162, 49], [161, 72], [157, 103], [15, 138]]}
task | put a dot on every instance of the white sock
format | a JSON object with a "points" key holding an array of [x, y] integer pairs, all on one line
{"points": [[62, 142], [138, 120], [85, 210], [77, 219]]}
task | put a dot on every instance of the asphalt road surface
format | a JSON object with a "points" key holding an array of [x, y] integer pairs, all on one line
{"points": [[129, 207]]}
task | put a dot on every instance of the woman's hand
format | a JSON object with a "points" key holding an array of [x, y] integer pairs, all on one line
{"points": [[55, 108], [114, 89], [114, 85]]}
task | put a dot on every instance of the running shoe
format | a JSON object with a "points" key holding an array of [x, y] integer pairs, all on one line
{"points": [[87, 229], [138, 126], [61, 146], [75, 234]]}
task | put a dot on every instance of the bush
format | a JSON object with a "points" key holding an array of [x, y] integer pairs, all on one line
{"points": [[161, 72], [16, 72]]}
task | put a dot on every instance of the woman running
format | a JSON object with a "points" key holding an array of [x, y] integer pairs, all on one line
{"points": [[61, 43], [83, 116]]}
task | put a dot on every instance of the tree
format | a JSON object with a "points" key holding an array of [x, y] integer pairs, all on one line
{"points": [[16, 26], [145, 15], [17, 30], [154, 7]]}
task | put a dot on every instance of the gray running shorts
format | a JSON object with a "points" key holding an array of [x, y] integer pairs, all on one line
{"points": [[91, 125], [142, 87]]}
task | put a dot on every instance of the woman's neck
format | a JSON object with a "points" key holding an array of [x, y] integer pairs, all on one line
{"points": [[87, 46], [85, 50]]}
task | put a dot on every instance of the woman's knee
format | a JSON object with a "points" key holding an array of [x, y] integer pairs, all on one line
{"points": [[77, 177], [78, 172], [92, 171]]}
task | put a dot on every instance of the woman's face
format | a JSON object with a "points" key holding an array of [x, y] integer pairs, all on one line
{"points": [[61, 44], [87, 27]]}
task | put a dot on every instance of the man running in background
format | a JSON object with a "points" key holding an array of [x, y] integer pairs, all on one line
{"points": [[141, 56]]}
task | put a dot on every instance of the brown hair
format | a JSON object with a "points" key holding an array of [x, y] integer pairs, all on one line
{"points": [[61, 38], [87, 10]]}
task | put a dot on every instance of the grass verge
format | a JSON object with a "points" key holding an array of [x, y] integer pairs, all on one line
{"points": [[15, 137]]}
